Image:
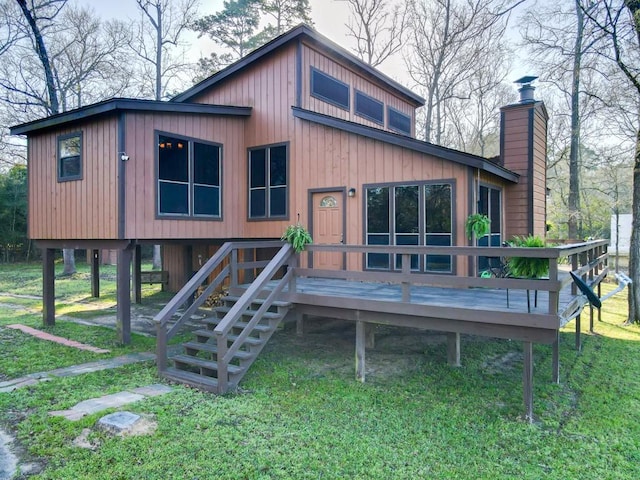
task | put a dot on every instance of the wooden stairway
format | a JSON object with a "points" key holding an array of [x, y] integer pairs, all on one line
{"points": [[233, 334], [198, 366]]}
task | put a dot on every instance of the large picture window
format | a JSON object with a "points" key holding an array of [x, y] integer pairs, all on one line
{"points": [[70, 157], [268, 182], [417, 214], [188, 177]]}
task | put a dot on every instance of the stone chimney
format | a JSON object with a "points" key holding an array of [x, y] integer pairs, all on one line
{"points": [[523, 150]]}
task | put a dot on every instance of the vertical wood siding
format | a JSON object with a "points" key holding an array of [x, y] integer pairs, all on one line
{"points": [[141, 176], [314, 58], [77, 209]]}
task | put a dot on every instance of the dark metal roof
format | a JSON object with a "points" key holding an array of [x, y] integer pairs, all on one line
{"points": [[410, 143], [307, 33], [130, 104]]}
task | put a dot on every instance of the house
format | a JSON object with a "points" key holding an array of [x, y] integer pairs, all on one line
{"points": [[298, 130]]}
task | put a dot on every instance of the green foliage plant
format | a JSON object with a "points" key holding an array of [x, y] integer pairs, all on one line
{"points": [[525, 267], [477, 224], [297, 236]]}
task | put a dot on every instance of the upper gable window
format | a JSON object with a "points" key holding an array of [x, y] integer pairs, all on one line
{"points": [[369, 108], [398, 121], [188, 177], [329, 89], [70, 157]]}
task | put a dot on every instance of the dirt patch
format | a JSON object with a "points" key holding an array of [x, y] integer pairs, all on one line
{"points": [[503, 363]]}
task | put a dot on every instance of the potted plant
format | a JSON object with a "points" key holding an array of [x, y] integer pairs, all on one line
{"points": [[525, 267], [297, 236], [477, 224]]}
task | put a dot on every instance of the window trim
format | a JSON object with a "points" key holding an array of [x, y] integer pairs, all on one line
{"points": [[59, 139], [362, 114], [421, 219], [268, 217], [321, 97], [190, 215], [395, 129]]}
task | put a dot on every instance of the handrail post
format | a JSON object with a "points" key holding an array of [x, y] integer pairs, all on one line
{"points": [[161, 347], [221, 340], [234, 267], [293, 264], [406, 270]]}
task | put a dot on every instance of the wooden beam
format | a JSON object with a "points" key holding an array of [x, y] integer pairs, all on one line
{"points": [[527, 381], [360, 351], [453, 349], [95, 273], [137, 274], [370, 340], [187, 255], [48, 287], [123, 295]]}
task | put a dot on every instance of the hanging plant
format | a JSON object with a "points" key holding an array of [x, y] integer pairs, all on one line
{"points": [[526, 267], [477, 224], [297, 236]]}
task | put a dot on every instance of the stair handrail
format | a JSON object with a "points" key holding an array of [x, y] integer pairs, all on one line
{"points": [[242, 304], [162, 318]]}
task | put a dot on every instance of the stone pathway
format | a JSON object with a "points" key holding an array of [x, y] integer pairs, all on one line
{"points": [[33, 378], [54, 338], [115, 400]]}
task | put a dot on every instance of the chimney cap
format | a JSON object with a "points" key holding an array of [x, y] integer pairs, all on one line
{"points": [[525, 80]]}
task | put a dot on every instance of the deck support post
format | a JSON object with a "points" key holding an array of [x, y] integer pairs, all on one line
{"points": [[360, 350], [48, 287], [123, 295], [95, 273], [578, 339], [370, 339], [453, 349], [555, 360], [187, 255], [590, 319], [137, 275], [527, 381]]}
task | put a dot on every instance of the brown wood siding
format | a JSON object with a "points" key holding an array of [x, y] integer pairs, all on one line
{"points": [[326, 157], [269, 87], [77, 209], [141, 181], [316, 59], [525, 203]]}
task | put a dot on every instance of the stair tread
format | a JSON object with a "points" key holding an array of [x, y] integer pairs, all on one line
{"points": [[268, 315], [259, 327], [211, 348], [190, 377], [260, 301], [200, 362], [211, 334]]}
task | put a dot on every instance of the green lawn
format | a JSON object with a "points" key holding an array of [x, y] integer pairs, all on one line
{"points": [[301, 414]]}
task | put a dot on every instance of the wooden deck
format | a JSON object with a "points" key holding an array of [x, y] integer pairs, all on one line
{"points": [[455, 304]]}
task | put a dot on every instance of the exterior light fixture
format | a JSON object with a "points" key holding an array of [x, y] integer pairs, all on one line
{"points": [[352, 192]]}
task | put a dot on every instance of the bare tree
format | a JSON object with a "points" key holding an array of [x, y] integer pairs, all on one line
{"points": [[619, 20], [378, 28], [450, 41], [286, 14], [159, 35]]}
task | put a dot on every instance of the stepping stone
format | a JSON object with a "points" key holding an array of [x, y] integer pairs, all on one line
{"points": [[118, 422]]}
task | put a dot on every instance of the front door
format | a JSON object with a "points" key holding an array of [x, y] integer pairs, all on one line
{"points": [[328, 228]]}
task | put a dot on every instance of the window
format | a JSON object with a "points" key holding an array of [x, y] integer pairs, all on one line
{"points": [[268, 177], [398, 121], [329, 89], [490, 204], [188, 177], [70, 157], [369, 108], [418, 214]]}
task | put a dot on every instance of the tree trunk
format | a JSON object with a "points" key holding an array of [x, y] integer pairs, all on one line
{"points": [[574, 165], [68, 255], [634, 246]]}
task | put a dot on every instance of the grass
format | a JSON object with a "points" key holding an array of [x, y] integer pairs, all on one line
{"points": [[301, 415]]}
